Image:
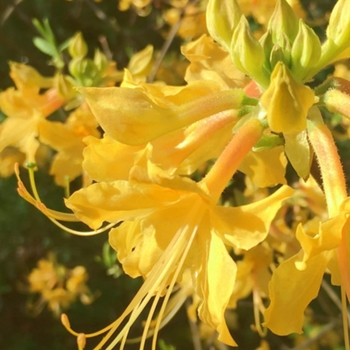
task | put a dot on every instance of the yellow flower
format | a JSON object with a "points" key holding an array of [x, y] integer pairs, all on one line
{"points": [[170, 229], [58, 286], [25, 107], [67, 140], [171, 225]]}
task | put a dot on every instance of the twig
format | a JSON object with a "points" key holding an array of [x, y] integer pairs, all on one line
{"points": [[8, 11]]}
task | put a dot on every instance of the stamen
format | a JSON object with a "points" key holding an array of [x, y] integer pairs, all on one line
{"points": [[174, 255], [52, 215], [172, 307], [66, 187], [258, 309], [171, 287]]}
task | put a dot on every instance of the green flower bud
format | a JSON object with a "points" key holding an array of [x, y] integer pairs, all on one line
{"points": [[77, 46], [222, 19], [77, 67], [338, 29], [306, 52], [267, 45], [283, 22], [281, 54], [100, 61], [64, 86], [247, 53]]}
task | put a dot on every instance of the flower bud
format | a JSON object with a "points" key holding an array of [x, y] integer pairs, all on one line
{"points": [[286, 101], [338, 29], [64, 86], [283, 22], [306, 51], [281, 54], [247, 53], [267, 45], [77, 46], [100, 61], [222, 19]]}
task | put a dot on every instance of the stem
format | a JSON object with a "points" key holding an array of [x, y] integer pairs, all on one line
{"points": [[232, 156]]}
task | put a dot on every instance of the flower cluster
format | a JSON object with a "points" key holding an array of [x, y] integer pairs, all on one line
{"points": [[58, 286], [161, 174]]}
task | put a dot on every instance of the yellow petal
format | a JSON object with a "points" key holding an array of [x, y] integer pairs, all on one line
{"points": [[291, 291], [114, 159], [217, 265], [286, 101], [140, 120], [258, 166], [246, 226]]}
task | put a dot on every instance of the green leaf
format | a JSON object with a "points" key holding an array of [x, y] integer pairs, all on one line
{"points": [[44, 46]]}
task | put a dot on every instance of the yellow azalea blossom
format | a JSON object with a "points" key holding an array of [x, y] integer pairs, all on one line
{"points": [[8, 158], [210, 62], [174, 224], [67, 140], [25, 108], [191, 16], [167, 230], [58, 286]]}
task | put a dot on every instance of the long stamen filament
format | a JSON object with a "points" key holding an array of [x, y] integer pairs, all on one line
{"points": [[52, 215], [153, 282], [171, 286]]}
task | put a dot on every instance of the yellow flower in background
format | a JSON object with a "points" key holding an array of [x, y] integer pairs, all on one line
{"points": [[142, 6], [25, 107], [67, 139], [58, 286]]}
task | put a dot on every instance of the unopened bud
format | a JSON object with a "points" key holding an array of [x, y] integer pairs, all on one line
{"points": [[306, 51], [77, 46], [223, 17], [247, 53], [283, 22]]}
